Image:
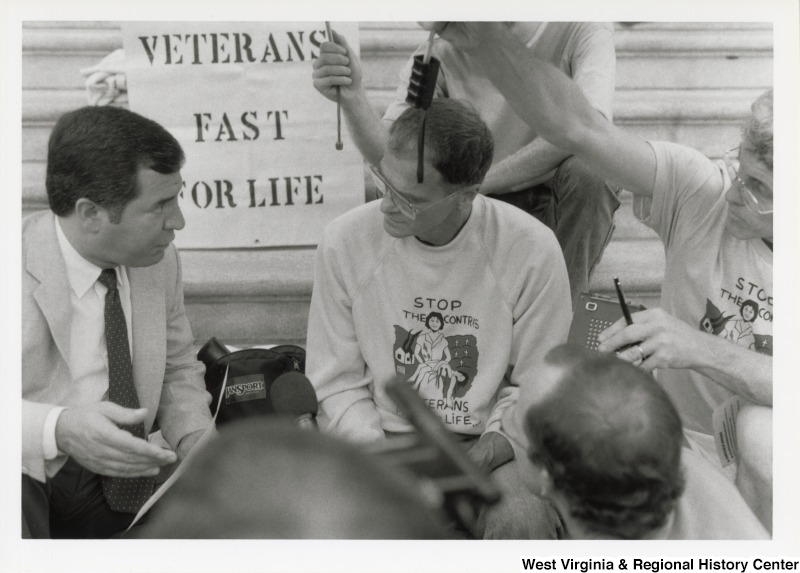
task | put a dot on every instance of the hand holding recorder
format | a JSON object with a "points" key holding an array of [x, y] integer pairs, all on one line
{"points": [[660, 341]]}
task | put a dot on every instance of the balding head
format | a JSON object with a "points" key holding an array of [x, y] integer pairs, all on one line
{"points": [[610, 440]]}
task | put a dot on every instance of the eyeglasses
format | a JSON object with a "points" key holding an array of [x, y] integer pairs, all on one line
{"points": [[760, 204], [406, 207]]}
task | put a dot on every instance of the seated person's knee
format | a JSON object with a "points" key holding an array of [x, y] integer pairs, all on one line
{"points": [[578, 177]]}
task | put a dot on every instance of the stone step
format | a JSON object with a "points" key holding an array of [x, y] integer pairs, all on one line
{"points": [[693, 117], [711, 55], [714, 57], [639, 264], [61, 73], [702, 120], [248, 296], [261, 296], [627, 227], [287, 273], [42, 107], [708, 120]]}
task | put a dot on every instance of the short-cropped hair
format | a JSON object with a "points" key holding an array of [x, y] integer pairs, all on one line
{"points": [[757, 130], [457, 141], [95, 152], [610, 438]]}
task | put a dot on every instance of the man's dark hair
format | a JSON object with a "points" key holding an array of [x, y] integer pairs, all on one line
{"points": [[95, 152], [611, 440], [457, 141], [263, 478]]}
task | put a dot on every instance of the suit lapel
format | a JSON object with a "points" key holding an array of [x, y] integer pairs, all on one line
{"points": [[46, 264], [149, 335]]}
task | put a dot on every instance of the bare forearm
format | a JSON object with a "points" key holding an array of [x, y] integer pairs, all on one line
{"points": [[368, 132], [742, 371], [556, 108], [530, 165], [658, 340]]}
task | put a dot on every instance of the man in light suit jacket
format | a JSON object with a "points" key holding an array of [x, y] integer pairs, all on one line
{"points": [[106, 345]]}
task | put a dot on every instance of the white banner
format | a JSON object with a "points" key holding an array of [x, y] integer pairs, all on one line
{"points": [[261, 164]]}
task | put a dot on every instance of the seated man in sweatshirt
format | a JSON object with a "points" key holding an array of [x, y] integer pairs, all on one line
{"points": [[528, 172], [456, 293]]}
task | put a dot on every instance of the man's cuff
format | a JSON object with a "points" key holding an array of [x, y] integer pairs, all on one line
{"points": [[49, 444]]}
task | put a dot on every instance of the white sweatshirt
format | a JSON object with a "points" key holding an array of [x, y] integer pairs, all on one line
{"points": [[501, 292]]}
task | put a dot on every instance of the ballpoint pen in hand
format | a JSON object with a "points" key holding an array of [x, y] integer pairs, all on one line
{"points": [[625, 312]]}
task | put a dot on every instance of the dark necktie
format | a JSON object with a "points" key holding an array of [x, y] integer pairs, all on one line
{"points": [[123, 494]]}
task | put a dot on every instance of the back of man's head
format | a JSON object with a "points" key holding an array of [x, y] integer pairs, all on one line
{"points": [[610, 439], [266, 479], [457, 141], [95, 152]]}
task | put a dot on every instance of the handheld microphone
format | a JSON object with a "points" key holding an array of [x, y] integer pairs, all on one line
{"points": [[292, 394]]}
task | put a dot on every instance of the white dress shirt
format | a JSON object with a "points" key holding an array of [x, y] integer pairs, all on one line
{"points": [[88, 356]]}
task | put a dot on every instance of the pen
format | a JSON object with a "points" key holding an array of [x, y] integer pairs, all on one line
{"points": [[625, 312]]}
